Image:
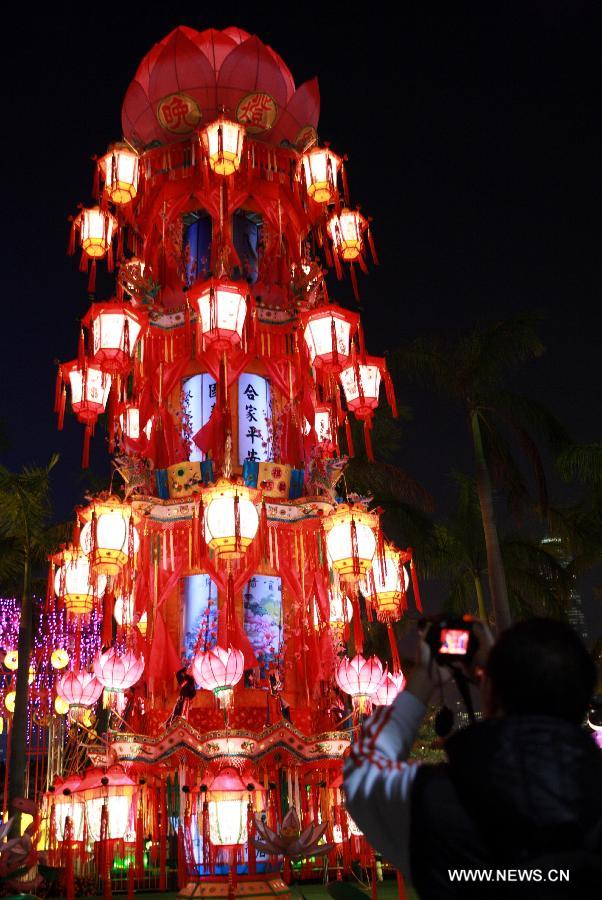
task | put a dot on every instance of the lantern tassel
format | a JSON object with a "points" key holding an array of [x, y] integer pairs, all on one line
{"points": [[390, 391], [264, 533], [57, 389], [354, 282], [71, 246], [368, 439], [415, 588], [349, 437], [92, 278], [395, 661], [107, 618], [86, 448], [61, 410], [358, 630]]}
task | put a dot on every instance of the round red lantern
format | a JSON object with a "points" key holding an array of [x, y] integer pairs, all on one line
{"points": [[320, 167], [327, 332], [346, 229], [222, 310], [119, 169], [115, 329], [222, 141]]}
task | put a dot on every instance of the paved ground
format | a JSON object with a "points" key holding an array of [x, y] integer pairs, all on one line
{"points": [[387, 890]]}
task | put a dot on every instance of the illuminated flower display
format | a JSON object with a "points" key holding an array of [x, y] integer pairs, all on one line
{"points": [[360, 678], [219, 670], [118, 671]]}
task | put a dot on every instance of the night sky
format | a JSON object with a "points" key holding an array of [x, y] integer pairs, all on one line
{"points": [[473, 136]]}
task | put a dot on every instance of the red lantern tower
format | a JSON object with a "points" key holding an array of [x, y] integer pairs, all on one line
{"points": [[228, 634]]}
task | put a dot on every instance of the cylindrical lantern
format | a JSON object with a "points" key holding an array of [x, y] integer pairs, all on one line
{"points": [[387, 592], [323, 425], [90, 386], [96, 229], [340, 611], [119, 167], [109, 536], [117, 791], [361, 384], [218, 670], [392, 683], [66, 803], [80, 689], [222, 307], [222, 141], [227, 809], [118, 671], [327, 332], [129, 420], [320, 167], [115, 329], [360, 678], [74, 583], [346, 229], [351, 540], [231, 519]]}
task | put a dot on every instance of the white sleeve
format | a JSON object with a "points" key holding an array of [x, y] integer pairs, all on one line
{"points": [[378, 779]]}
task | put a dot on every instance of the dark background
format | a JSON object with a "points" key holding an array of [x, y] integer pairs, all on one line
{"points": [[473, 135]]}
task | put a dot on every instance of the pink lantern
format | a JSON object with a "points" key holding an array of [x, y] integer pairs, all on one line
{"points": [[118, 671], [115, 329], [218, 670], [391, 685], [80, 690], [90, 386], [327, 332], [222, 308], [360, 678]]}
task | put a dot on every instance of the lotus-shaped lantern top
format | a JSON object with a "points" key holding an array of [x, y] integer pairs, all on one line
{"points": [[218, 669], [359, 677], [118, 671], [391, 685], [290, 840], [186, 80], [79, 688]]}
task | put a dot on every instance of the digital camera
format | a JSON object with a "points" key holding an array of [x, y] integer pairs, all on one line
{"points": [[451, 640]]}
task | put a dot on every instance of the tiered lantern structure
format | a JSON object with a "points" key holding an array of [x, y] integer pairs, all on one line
{"points": [[216, 600]]}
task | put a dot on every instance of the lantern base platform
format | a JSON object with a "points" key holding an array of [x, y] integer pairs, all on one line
{"points": [[271, 886]]}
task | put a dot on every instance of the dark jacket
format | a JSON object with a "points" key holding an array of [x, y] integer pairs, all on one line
{"points": [[516, 793]]}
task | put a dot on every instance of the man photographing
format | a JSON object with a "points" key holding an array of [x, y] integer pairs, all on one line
{"points": [[520, 796]]}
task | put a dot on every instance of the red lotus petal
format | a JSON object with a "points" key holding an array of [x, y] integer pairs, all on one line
{"points": [[302, 112], [250, 68]]}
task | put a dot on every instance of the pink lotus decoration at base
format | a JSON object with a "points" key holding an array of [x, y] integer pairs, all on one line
{"points": [[290, 840], [360, 678], [218, 670]]}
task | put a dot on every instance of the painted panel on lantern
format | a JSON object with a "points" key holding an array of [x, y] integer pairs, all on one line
{"points": [[254, 419], [201, 392], [200, 612], [369, 379], [263, 617]]}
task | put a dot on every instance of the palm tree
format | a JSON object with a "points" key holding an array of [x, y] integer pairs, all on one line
{"points": [[475, 373], [538, 581], [26, 540]]}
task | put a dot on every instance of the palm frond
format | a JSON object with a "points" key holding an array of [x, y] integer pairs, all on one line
{"points": [[583, 462]]}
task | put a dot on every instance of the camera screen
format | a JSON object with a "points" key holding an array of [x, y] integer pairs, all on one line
{"points": [[454, 641]]}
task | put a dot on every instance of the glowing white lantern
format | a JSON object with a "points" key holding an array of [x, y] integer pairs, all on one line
{"points": [[90, 386], [227, 810], [68, 804], [320, 168], [231, 519], [115, 789], [359, 678], [59, 658], [105, 538], [73, 583], [115, 330], [222, 307], [223, 141], [340, 611], [96, 229], [351, 540], [119, 169], [323, 425], [219, 670], [327, 332], [11, 660], [129, 420], [10, 700], [384, 586], [361, 384]]}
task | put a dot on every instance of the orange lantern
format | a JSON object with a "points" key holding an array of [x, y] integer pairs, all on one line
{"points": [[90, 385], [320, 167], [384, 585], [96, 227], [346, 230], [109, 537], [119, 168], [74, 583], [351, 540], [327, 332], [222, 141], [115, 329], [231, 518], [222, 307]]}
